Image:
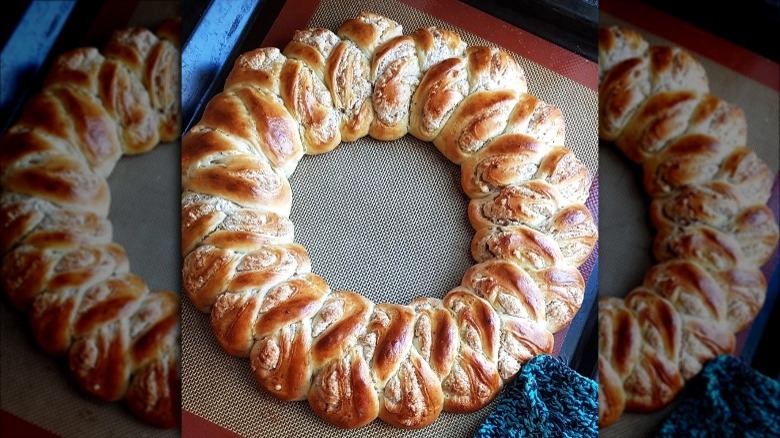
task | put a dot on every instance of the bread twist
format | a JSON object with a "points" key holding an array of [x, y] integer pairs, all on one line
{"points": [[59, 264], [714, 230], [352, 359]]}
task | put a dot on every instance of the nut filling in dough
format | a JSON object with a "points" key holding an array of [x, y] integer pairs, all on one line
{"points": [[60, 266], [708, 205], [354, 360]]}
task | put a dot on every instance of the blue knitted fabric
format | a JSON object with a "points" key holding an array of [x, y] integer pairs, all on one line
{"points": [[546, 399], [727, 399]]}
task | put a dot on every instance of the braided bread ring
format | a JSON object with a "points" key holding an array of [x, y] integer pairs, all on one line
{"points": [[353, 360], [708, 205], [59, 264]]}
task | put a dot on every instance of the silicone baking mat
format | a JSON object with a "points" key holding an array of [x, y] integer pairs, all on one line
{"points": [[145, 199], [387, 220], [736, 76]]}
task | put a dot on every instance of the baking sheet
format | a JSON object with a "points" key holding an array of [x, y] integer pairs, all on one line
{"points": [[145, 214], [385, 219], [626, 235]]}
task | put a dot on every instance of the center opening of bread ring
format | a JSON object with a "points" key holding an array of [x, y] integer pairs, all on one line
{"points": [[630, 254], [388, 220]]}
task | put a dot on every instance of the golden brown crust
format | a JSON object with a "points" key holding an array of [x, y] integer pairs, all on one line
{"points": [[493, 69], [63, 180], [343, 393], [529, 248], [99, 365], [617, 44], [261, 120], [155, 393], [530, 203], [573, 228], [29, 220], [218, 222], [82, 302], [748, 174], [564, 289], [312, 46], [441, 89], [521, 341], [258, 68], [436, 335], [78, 118], [247, 180], [395, 71], [612, 397], [656, 379], [347, 76], [121, 93], [474, 380], [435, 44], [508, 159], [480, 117], [157, 63], [746, 291], [307, 99], [59, 265], [338, 324], [354, 360], [300, 88], [281, 362], [508, 288], [122, 98], [562, 169], [368, 30], [414, 398], [708, 192], [540, 120]]}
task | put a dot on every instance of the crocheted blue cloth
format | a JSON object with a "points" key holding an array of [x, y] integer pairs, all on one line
{"points": [[546, 399], [727, 399]]}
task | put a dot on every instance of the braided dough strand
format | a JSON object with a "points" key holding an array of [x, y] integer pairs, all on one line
{"points": [[714, 230], [59, 265], [354, 360]]}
